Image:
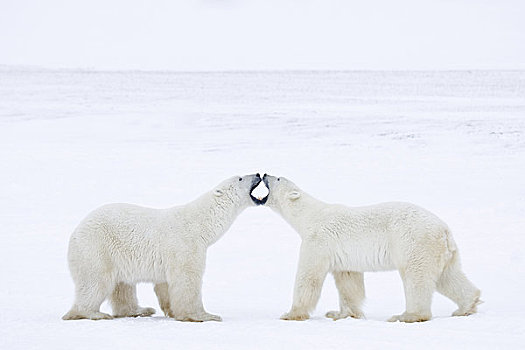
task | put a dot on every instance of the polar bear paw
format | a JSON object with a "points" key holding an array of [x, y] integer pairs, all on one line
{"points": [[409, 318], [139, 312], [146, 311], [295, 316], [201, 317], [338, 315], [472, 308], [90, 315]]}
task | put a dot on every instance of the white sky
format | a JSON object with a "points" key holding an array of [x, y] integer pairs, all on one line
{"points": [[265, 34]]}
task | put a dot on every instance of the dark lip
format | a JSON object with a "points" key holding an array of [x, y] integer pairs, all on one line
{"points": [[265, 180], [256, 183]]}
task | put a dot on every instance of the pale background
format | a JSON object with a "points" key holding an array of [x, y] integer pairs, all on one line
{"points": [[100, 102], [263, 34]]}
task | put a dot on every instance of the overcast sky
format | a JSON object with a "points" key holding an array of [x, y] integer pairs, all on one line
{"points": [[265, 34]]}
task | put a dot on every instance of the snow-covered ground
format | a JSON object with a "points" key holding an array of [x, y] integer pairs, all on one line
{"points": [[452, 142]]}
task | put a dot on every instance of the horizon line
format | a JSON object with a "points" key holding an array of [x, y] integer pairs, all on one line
{"points": [[23, 67]]}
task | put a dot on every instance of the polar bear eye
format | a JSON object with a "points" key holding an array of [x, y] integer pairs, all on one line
{"points": [[240, 179], [278, 179]]}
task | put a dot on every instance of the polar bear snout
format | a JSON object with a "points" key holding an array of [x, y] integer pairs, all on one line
{"points": [[259, 193]]}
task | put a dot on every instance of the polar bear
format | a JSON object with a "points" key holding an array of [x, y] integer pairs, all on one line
{"points": [[348, 241], [119, 245]]}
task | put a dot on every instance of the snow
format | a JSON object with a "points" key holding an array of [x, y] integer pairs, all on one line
{"points": [[452, 142]]}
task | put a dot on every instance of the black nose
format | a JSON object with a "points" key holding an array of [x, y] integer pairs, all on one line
{"points": [[258, 175], [265, 176]]}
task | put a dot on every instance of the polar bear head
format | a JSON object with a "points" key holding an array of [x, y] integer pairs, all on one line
{"points": [[283, 192], [238, 190]]}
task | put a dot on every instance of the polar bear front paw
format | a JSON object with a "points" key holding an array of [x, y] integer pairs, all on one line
{"points": [[338, 315], [139, 312], [90, 315], [409, 318], [144, 312], [294, 316], [211, 317], [202, 317]]}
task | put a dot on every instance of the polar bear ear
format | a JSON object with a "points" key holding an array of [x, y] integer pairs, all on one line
{"points": [[218, 192], [294, 195]]}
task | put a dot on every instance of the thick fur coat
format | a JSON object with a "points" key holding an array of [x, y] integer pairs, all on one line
{"points": [[119, 245], [347, 241]]}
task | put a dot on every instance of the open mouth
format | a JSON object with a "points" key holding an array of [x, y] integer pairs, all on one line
{"points": [[257, 192]]}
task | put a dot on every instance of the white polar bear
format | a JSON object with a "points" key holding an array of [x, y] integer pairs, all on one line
{"points": [[349, 241], [119, 245]]}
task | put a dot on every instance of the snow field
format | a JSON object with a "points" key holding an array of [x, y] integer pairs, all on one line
{"points": [[452, 142]]}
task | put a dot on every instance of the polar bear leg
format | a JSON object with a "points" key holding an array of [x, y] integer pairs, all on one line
{"points": [[89, 295], [161, 290], [419, 286], [311, 273], [124, 302], [185, 291], [454, 285], [351, 288]]}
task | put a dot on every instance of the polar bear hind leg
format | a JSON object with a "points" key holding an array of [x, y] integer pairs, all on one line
{"points": [[124, 302], [88, 298], [454, 285], [351, 288]]}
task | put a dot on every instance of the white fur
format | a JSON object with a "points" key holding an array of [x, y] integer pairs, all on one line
{"points": [[119, 245], [348, 241]]}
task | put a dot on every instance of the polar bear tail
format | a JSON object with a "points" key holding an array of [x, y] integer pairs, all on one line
{"points": [[456, 286]]}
